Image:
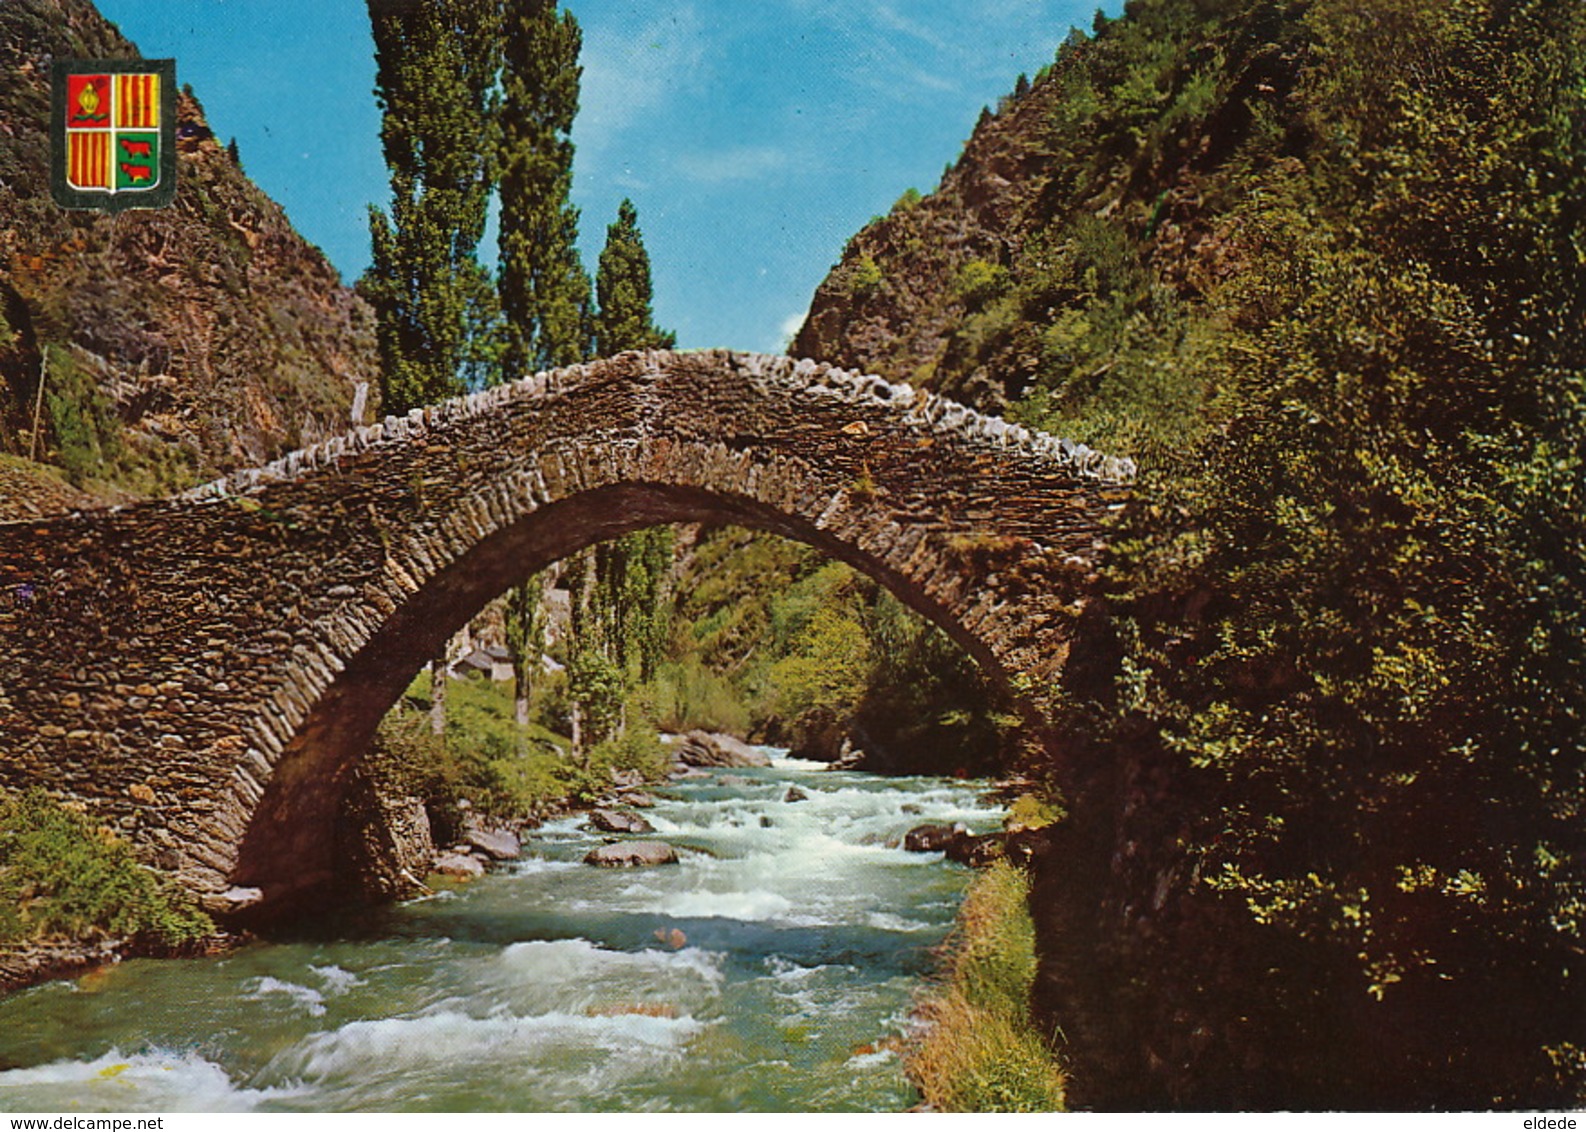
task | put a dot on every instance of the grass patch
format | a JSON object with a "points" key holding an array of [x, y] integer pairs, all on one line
{"points": [[980, 1052], [60, 875]]}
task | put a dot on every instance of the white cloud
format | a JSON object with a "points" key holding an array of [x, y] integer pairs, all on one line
{"points": [[790, 327], [630, 74], [742, 163]]}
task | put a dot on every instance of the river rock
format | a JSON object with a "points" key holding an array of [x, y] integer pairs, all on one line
{"points": [[497, 844], [849, 757], [932, 838], [638, 799], [231, 901], [632, 854], [794, 794], [712, 748], [977, 850], [619, 821], [461, 865]]}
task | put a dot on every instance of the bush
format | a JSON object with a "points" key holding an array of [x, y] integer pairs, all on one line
{"points": [[60, 876], [978, 282], [865, 277]]}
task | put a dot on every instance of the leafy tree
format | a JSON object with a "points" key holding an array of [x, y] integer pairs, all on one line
{"points": [[627, 599], [436, 71], [543, 286], [1343, 751], [622, 286]]}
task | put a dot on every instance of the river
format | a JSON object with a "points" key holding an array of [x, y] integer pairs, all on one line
{"points": [[765, 972]]}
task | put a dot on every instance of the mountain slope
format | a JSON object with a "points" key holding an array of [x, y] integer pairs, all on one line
{"points": [[176, 343]]}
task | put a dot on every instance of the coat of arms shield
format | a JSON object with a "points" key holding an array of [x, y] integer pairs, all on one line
{"points": [[113, 133]]}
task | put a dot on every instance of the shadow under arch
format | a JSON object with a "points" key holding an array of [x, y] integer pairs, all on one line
{"points": [[289, 847]]}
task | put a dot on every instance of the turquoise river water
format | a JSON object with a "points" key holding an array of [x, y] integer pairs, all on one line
{"points": [[765, 972]]}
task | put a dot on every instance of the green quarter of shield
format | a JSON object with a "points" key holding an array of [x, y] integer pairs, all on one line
{"points": [[137, 160]]}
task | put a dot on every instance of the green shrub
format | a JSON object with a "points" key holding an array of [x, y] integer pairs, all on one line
{"points": [[865, 277], [60, 876], [685, 695], [978, 282]]}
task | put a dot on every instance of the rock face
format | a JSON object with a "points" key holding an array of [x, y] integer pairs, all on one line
{"points": [[619, 821], [894, 303], [190, 340], [701, 748], [632, 854]]}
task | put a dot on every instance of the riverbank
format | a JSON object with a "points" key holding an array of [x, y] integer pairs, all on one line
{"points": [[50, 842], [41, 961], [977, 1049]]}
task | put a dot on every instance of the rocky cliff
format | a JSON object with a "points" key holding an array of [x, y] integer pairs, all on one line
{"points": [[1089, 194], [173, 343], [891, 306]]}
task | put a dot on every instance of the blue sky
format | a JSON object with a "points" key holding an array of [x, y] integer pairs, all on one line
{"points": [[755, 136]]}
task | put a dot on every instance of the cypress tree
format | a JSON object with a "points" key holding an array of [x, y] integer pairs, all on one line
{"points": [[436, 69], [622, 286], [543, 287]]}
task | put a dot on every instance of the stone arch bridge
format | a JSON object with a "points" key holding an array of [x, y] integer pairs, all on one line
{"points": [[204, 669]]}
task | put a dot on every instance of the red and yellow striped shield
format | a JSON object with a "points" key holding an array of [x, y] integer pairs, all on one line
{"points": [[114, 133]]}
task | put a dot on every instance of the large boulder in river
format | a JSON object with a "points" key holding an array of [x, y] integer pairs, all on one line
{"points": [[932, 838], [977, 850], [619, 821], [459, 865], [632, 854], [712, 748], [497, 844]]}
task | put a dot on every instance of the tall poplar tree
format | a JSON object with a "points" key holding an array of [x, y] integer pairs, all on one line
{"points": [[543, 286], [437, 64], [631, 571], [622, 286]]}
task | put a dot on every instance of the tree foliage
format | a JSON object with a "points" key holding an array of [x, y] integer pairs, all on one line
{"points": [[543, 286], [436, 73], [624, 320], [1334, 302]]}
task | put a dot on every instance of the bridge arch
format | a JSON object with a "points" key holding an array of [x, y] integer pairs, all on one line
{"points": [[202, 667]]}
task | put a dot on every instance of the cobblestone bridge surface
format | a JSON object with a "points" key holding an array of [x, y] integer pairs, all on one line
{"points": [[205, 670]]}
